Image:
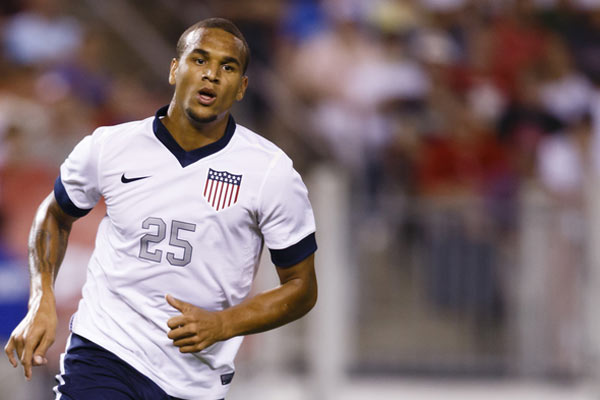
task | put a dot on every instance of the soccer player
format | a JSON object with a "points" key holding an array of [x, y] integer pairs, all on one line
{"points": [[191, 198]]}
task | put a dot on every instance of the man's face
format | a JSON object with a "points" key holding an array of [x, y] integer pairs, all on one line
{"points": [[208, 77]]}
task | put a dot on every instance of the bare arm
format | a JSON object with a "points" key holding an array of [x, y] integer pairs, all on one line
{"points": [[196, 329], [47, 245]]}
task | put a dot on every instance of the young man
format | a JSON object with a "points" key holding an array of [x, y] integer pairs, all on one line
{"points": [[191, 197]]}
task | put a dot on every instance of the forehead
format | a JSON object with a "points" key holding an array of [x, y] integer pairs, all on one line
{"points": [[214, 40]]}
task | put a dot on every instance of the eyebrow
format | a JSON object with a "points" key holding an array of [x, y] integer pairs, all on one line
{"points": [[226, 59]]}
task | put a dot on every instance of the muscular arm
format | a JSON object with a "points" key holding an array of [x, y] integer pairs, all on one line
{"points": [[47, 245], [196, 329]]}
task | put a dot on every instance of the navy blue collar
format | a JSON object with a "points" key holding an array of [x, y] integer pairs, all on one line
{"points": [[186, 158]]}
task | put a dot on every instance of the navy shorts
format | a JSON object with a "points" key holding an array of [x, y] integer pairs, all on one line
{"points": [[90, 372]]}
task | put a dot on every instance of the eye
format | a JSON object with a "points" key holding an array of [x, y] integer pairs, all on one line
{"points": [[199, 61], [228, 68]]}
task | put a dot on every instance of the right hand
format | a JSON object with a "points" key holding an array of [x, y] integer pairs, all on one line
{"points": [[34, 335]]}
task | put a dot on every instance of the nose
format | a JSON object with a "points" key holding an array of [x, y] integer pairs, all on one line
{"points": [[210, 73]]}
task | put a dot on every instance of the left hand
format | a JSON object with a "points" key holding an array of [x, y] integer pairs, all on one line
{"points": [[195, 329]]}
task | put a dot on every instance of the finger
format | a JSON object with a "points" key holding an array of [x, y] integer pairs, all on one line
{"points": [[176, 321], [26, 362], [176, 303], [39, 355], [195, 347], [27, 369], [188, 341], [190, 349], [18, 347], [9, 349], [27, 356], [39, 360], [180, 333]]}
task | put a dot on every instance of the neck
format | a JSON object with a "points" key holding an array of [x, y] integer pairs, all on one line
{"points": [[190, 134]]}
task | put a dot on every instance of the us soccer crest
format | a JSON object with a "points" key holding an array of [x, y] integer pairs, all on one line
{"points": [[221, 189]]}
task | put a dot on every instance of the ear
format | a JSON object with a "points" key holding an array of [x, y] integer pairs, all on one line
{"points": [[172, 70], [242, 89]]}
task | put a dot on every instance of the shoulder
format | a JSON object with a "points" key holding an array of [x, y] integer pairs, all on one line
{"points": [[122, 131], [262, 160], [255, 141], [257, 147]]}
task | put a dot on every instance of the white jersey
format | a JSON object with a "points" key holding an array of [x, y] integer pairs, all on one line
{"points": [[191, 224]]}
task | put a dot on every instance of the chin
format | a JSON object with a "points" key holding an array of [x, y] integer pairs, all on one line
{"points": [[198, 119]]}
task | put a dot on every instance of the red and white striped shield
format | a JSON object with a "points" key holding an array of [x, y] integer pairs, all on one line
{"points": [[221, 189]]}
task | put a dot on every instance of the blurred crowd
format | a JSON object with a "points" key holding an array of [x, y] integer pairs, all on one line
{"points": [[427, 100]]}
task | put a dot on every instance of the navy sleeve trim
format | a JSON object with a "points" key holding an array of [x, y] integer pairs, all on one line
{"points": [[295, 253], [65, 202]]}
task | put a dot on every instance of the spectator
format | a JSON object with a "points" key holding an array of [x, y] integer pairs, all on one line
{"points": [[524, 122], [565, 93], [41, 34]]}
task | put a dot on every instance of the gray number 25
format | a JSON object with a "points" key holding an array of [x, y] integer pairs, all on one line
{"points": [[159, 234]]}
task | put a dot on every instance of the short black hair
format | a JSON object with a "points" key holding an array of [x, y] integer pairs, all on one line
{"points": [[218, 23]]}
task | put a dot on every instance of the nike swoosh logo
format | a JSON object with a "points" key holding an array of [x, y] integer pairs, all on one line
{"points": [[127, 180]]}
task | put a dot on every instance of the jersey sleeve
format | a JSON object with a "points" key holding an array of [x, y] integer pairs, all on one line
{"points": [[76, 188], [286, 218]]}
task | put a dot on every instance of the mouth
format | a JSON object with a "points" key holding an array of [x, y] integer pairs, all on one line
{"points": [[206, 96]]}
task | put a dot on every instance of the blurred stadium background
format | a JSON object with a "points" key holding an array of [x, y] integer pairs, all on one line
{"points": [[452, 155]]}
